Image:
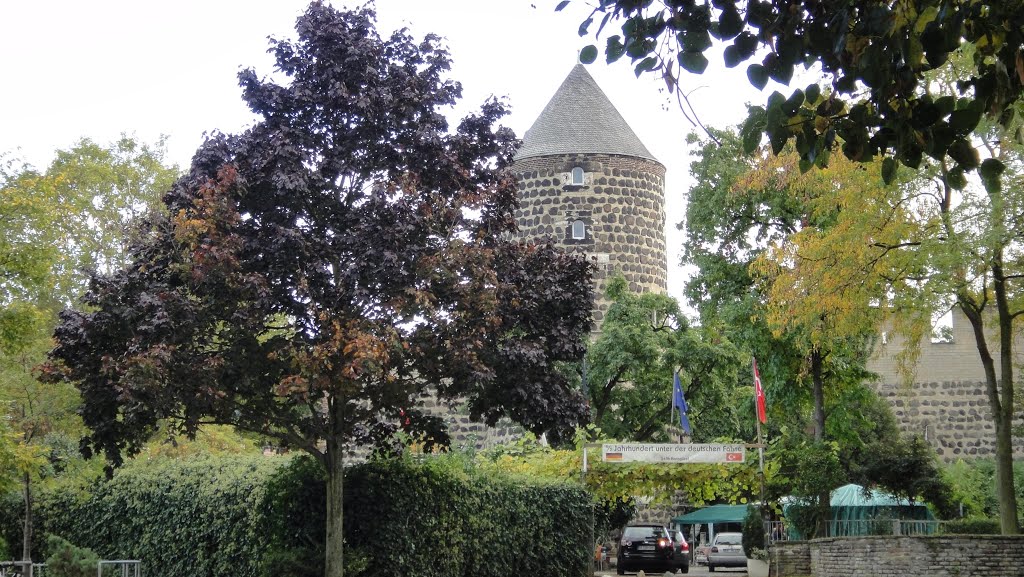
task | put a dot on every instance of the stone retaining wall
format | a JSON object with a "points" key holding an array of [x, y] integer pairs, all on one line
{"points": [[945, 556], [789, 559]]}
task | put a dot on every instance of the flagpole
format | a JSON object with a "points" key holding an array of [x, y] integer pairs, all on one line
{"points": [[672, 408], [760, 441], [760, 456]]}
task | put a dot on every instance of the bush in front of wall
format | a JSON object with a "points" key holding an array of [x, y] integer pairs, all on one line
{"points": [[436, 518], [199, 517], [975, 526]]}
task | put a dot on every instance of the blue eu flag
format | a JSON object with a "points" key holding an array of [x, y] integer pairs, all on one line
{"points": [[679, 402]]}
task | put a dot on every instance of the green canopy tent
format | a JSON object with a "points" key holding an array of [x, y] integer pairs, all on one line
{"points": [[718, 518], [859, 512]]}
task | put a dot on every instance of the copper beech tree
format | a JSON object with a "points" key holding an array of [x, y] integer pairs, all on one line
{"points": [[320, 274]]}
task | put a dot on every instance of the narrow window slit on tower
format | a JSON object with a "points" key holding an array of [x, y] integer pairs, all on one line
{"points": [[577, 175], [579, 229]]}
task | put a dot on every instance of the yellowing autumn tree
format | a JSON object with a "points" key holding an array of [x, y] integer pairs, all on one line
{"points": [[870, 253]]}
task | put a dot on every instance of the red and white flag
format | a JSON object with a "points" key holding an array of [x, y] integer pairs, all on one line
{"points": [[759, 394]]}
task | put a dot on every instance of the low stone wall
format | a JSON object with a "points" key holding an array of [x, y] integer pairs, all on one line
{"points": [[943, 556], [789, 559]]}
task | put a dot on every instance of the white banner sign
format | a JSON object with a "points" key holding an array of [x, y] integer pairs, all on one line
{"points": [[671, 453]]}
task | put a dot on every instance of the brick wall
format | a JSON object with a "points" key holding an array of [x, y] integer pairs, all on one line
{"points": [[948, 556], [465, 433], [953, 416]]}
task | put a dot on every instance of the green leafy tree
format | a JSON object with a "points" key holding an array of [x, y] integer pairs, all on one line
{"points": [[73, 217], [973, 487], [763, 237], [809, 471], [319, 275], [875, 55], [739, 213], [918, 247], [643, 341], [726, 231], [808, 295], [27, 255], [55, 226], [100, 192]]}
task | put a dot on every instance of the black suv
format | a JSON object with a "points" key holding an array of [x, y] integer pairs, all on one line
{"points": [[648, 547]]}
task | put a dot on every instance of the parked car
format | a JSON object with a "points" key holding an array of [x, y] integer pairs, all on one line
{"points": [[700, 554], [727, 551], [647, 547], [681, 554]]}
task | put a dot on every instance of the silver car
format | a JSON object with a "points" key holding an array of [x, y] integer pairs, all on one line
{"points": [[727, 551]]}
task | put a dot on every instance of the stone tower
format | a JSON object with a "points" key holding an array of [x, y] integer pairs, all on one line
{"points": [[588, 184]]}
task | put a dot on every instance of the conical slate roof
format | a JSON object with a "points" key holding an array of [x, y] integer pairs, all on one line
{"points": [[579, 119]]}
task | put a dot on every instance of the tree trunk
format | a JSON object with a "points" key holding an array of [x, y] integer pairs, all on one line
{"points": [[26, 538], [334, 562], [1004, 419], [1001, 413], [823, 499], [1004, 478], [818, 386]]}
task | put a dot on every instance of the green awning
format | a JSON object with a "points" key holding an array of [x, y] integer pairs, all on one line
{"points": [[713, 514]]}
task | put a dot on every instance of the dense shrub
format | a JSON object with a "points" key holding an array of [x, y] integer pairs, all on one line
{"points": [[975, 526], [254, 516], [295, 511], [199, 516], [67, 560], [440, 520], [974, 485], [753, 531], [11, 518]]}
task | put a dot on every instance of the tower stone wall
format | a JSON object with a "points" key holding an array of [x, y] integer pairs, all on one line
{"points": [[590, 186], [621, 204]]}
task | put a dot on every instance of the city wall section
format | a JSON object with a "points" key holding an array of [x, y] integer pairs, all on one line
{"points": [[945, 401]]}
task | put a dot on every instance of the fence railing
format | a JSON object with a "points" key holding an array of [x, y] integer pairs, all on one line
{"points": [[779, 531], [22, 569], [119, 568], [105, 568]]}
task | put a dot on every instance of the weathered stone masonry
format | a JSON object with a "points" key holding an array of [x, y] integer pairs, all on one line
{"points": [[888, 556], [621, 204], [947, 404]]}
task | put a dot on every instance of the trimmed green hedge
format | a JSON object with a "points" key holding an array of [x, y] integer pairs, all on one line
{"points": [[975, 526], [189, 517], [256, 516], [462, 524]]}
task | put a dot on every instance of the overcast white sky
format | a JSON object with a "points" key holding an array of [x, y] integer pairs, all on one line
{"points": [[73, 69]]}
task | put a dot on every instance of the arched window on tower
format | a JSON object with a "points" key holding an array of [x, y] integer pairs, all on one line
{"points": [[577, 176], [579, 230]]}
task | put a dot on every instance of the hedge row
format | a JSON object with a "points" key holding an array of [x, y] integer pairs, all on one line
{"points": [[256, 517], [973, 526], [433, 522], [196, 517]]}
